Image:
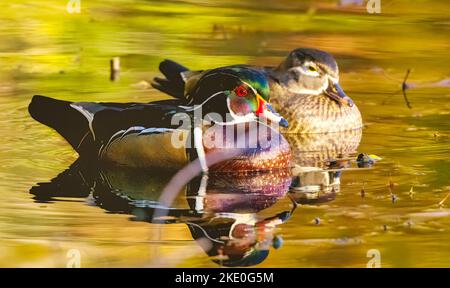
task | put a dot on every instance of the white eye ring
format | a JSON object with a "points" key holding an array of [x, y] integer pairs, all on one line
{"points": [[305, 71], [310, 69]]}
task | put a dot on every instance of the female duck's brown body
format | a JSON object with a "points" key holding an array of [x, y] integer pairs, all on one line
{"points": [[313, 113]]}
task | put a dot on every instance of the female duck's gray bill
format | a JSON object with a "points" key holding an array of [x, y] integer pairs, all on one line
{"points": [[276, 116], [335, 92]]}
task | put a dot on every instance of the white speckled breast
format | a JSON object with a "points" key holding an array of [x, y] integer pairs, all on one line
{"points": [[317, 149], [314, 113]]}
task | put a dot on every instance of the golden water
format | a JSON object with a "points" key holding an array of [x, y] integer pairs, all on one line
{"points": [[45, 50]]}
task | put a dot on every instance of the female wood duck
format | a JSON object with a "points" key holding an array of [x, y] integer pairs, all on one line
{"points": [[304, 89], [142, 135]]}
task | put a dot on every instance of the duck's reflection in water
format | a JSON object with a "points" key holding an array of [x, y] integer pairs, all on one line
{"points": [[222, 214], [319, 160]]}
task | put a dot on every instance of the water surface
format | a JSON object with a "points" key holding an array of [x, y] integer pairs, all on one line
{"points": [[45, 50]]}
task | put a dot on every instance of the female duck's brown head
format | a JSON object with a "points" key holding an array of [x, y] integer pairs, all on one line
{"points": [[312, 72]]}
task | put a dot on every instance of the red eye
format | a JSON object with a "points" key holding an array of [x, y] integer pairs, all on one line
{"points": [[241, 91]]}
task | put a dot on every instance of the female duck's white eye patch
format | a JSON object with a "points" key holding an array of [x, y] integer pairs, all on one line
{"points": [[310, 69]]}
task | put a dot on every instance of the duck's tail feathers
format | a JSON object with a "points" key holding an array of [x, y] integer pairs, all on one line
{"points": [[173, 84], [59, 115]]}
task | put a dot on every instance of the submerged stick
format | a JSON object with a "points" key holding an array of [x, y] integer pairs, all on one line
{"points": [[441, 203], [114, 65]]}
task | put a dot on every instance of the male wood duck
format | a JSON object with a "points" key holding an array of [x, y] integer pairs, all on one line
{"points": [[304, 89], [142, 134]]}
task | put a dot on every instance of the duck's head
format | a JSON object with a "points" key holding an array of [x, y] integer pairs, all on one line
{"points": [[242, 92], [313, 72]]}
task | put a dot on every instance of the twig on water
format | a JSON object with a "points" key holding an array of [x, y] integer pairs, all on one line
{"points": [[441, 203], [405, 87], [411, 192]]}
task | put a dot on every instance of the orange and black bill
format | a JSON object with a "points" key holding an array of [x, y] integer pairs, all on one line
{"points": [[266, 111]]}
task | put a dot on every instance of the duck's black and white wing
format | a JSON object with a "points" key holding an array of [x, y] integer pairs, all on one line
{"points": [[130, 134]]}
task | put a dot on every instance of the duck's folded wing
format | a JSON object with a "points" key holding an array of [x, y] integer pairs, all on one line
{"points": [[87, 126], [144, 147], [106, 119], [137, 135]]}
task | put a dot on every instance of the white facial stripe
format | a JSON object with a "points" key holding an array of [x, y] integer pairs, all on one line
{"points": [[192, 108], [237, 118], [251, 87], [308, 72], [302, 70], [309, 91]]}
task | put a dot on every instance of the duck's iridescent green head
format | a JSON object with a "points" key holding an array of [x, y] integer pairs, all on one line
{"points": [[251, 96], [247, 91], [253, 78]]}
